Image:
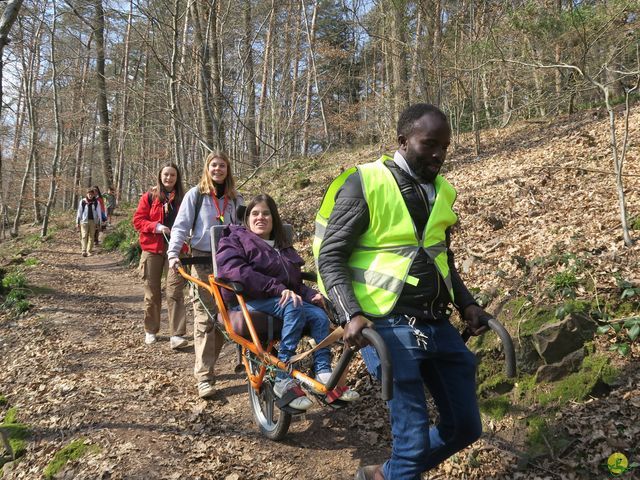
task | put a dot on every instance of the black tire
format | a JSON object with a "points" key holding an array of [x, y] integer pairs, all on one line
{"points": [[272, 422]]}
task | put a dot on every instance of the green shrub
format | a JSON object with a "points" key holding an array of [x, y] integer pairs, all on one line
{"points": [[14, 287], [16, 300], [565, 283], [573, 306], [14, 280], [124, 238]]}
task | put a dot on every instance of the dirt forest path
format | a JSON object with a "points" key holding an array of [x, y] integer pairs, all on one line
{"points": [[77, 368]]}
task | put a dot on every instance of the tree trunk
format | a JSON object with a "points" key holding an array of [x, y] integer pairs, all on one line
{"points": [[204, 77], [415, 89], [124, 113], [216, 76], [295, 95], [9, 15], [78, 133], [29, 67], [174, 86], [311, 34], [618, 161], [103, 111], [250, 89], [398, 52], [265, 70], [56, 117]]}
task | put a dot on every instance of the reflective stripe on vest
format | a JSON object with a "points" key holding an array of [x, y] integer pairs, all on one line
{"points": [[381, 260]]}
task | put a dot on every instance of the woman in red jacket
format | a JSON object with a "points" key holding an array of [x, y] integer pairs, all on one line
{"points": [[153, 219]]}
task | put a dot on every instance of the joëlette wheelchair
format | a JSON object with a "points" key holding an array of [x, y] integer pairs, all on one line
{"points": [[256, 335]]}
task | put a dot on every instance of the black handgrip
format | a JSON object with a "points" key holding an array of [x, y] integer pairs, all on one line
{"points": [[507, 346], [505, 338], [196, 261], [309, 276], [385, 361], [343, 363]]}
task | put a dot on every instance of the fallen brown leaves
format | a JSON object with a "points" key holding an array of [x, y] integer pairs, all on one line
{"points": [[76, 366]]}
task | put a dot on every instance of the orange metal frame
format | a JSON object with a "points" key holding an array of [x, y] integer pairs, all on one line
{"points": [[254, 345]]}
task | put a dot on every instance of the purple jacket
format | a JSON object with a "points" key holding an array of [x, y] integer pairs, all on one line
{"points": [[264, 272]]}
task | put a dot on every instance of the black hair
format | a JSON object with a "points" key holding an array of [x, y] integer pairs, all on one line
{"points": [[277, 233], [413, 113]]}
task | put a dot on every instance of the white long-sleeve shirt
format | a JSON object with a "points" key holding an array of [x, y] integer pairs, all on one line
{"points": [[207, 217]]}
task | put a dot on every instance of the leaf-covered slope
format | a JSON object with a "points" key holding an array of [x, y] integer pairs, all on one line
{"points": [[537, 192]]}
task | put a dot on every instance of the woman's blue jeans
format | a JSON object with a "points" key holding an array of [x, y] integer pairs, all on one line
{"points": [[447, 368], [294, 319]]}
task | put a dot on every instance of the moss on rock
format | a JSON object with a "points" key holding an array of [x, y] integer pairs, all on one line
{"points": [[495, 407], [73, 451], [16, 432]]}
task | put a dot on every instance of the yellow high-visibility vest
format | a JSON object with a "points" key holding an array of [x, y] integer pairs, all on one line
{"points": [[381, 260]]}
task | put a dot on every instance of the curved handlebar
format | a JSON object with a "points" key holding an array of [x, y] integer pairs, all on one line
{"points": [[385, 363], [505, 338], [507, 345]]}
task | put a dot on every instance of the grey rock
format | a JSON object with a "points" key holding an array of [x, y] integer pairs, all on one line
{"points": [[555, 371], [556, 340]]}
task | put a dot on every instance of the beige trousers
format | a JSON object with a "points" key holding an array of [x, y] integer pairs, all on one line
{"points": [[207, 339], [152, 266], [87, 230]]}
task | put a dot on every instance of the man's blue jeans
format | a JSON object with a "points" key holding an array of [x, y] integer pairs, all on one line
{"points": [[447, 368], [294, 319]]}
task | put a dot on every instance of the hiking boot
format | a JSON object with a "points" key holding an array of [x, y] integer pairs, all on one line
{"points": [[149, 338], [370, 472], [177, 341], [206, 389], [84, 254], [300, 401]]}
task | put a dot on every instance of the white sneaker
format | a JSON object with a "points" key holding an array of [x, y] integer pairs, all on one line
{"points": [[347, 395], [149, 338], [206, 389], [283, 385], [178, 342]]}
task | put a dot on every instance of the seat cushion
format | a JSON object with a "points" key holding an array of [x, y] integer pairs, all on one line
{"points": [[260, 322]]}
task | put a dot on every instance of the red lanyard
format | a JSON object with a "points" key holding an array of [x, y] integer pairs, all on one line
{"points": [[220, 216]]}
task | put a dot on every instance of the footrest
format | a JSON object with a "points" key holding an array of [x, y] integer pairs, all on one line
{"points": [[289, 396]]}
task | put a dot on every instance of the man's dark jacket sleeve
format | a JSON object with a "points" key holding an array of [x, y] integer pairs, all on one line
{"points": [[349, 219]]}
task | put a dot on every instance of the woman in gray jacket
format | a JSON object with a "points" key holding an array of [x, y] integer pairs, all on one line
{"points": [[212, 202], [88, 219]]}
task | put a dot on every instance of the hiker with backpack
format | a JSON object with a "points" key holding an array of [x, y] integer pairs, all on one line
{"points": [[88, 220], [154, 219], [112, 203], [212, 202], [103, 215]]}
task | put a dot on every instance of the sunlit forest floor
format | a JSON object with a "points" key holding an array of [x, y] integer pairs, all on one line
{"points": [[540, 200]]}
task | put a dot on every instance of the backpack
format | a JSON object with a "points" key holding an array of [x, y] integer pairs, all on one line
{"points": [[199, 200], [84, 204]]}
